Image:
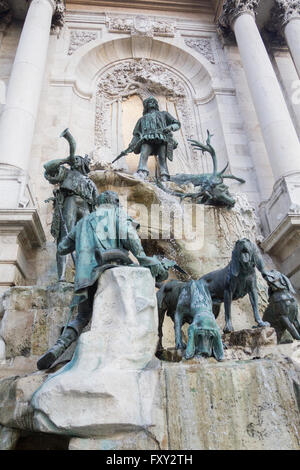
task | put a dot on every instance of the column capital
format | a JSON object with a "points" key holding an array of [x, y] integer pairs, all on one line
{"points": [[58, 19], [283, 12], [232, 9], [5, 14]]}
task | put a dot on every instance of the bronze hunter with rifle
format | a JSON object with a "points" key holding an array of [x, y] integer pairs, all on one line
{"points": [[152, 135]]}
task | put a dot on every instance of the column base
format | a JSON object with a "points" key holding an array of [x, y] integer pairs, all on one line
{"points": [[281, 226]]}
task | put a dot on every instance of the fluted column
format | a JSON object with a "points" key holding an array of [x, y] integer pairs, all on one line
{"points": [[18, 118], [286, 16], [279, 134]]}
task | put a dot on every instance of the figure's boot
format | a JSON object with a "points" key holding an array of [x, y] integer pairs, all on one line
{"points": [[58, 349]]}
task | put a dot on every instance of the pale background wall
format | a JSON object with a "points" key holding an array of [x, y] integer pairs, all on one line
{"points": [[217, 98]]}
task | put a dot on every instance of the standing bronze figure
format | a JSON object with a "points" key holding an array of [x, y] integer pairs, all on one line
{"points": [[75, 198], [152, 135]]}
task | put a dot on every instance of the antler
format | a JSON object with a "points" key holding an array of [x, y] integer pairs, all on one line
{"points": [[206, 148]]}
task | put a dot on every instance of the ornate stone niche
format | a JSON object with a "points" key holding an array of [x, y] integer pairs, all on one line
{"points": [[142, 78]]}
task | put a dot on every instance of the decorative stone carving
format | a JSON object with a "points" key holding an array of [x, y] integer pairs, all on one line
{"points": [[119, 24], [232, 9], [5, 15], [58, 19], [141, 25], [203, 46], [282, 12], [163, 28], [79, 38], [286, 10], [127, 77], [140, 77]]}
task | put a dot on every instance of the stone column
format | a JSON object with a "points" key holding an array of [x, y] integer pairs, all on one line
{"points": [[280, 215], [279, 134], [18, 118], [286, 17], [20, 226]]}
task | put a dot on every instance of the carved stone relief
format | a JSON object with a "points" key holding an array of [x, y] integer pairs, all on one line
{"points": [[5, 15], [140, 25], [282, 12], [203, 46], [58, 19], [286, 10], [141, 77], [79, 38]]}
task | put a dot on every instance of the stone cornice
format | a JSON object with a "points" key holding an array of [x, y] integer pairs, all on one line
{"points": [[232, 9], [194, 6]]}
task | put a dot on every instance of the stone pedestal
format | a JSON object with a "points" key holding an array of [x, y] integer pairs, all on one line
{"points": [[109, 386]]}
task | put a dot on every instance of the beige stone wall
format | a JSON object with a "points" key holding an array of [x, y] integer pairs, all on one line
{"points": [[214, 89]]}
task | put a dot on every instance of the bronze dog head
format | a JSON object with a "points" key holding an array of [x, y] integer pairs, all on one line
{"points": [[245, 256]]}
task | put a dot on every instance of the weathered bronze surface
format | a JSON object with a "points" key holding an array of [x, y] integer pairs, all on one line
{"points": [[152, 135], [282, 311], [75, 198], [233, 282], [101, 240], [190, 303], [236, 280], [213, 191]]}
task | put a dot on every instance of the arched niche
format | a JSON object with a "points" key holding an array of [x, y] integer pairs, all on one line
{"points": [[180, 79], [120, 90], [85, 64]]}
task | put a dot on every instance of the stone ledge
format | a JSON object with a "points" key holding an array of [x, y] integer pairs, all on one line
{"points": [[24, 222], [278, 237], [20, 232]]}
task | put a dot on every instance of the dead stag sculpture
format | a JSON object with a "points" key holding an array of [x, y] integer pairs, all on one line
{"points": [[213, 191]]}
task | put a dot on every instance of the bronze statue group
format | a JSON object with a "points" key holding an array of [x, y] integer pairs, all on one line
{"points": [[100, 235]]}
